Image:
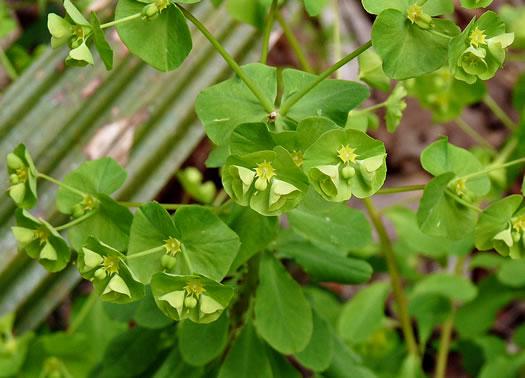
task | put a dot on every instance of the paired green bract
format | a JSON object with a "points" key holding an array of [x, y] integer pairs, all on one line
{"points": [[22, 177], [41, 241], [403, 31], [502, 227]]}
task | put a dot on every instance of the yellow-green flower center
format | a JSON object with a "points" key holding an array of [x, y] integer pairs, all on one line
{"points": [[347, 154], [265, 171], [461, 187], [172, 246], [478, 37], [414, 13], [194, 287], [111, 264], [297, 158], [519, 223], [22, 174], [41, 234], [89, 202], [162, 4]]}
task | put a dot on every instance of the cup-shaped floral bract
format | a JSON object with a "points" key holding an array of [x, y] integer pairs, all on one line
{"points": [[479, 50], [22, 177], [190, 297], [111, 277], [61, 30], [192, 241], [269, 182], [41, 241], [342, 163], [502, 227]]}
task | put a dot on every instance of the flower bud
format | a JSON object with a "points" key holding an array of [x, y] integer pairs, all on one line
{"points": [[18, 192], [14, 162], [100, 274], [168, 262], [14, 179], [190, 302], [348, 172], [424, 21], [78, 210], [208, 191], [150, 11], [192, 174], [261, 185]]}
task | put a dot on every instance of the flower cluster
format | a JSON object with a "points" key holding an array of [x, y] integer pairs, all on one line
{"points": [[22, 177], [479, 51]]}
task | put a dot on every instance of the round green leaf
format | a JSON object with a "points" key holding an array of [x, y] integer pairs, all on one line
{"points": [[363, 314], [473, 4], [512, 273], [335, 225], [332, 99], [283, 315], [441, 157], [318, 354], [148, 315], [440, 215], [450, 286], [163, 43], [226, 105], [208, 246], [247, 356], [406, 49], [201, 343]]}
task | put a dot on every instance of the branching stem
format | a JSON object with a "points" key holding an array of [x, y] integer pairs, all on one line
{"points": [[60, 183], [399, 294], [120, 21], [267, 32], [499, 112], [401, 189], [268, 106], [299, 95], [294, 44], [76, 221]]}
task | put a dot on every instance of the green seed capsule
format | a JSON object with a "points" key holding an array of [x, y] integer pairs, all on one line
{"points": [[14, 162], [348, 172], [168, 262], [78, 210], [190, 302], [193, 174], [100, 274], [261, 185], [516, 236]]}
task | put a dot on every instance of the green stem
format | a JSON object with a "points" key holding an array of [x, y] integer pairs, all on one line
{"points": [[268, 106], [499, 112], [294, 44], [446, 332], [469, 130], [462, 201], [145, 253], [267, 32], [6, 63], [374, 107], [220, 198], [60, 183], [401, 203], [506, 152], [84, 311], [337, 36], [401, 189], [76, 221], [433, 31], [167, 206], [491, 168], [120, 21], [395, 277], [295, 98]]}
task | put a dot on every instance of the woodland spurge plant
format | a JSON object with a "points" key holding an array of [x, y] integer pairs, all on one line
{"points": [[296, 144]]}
